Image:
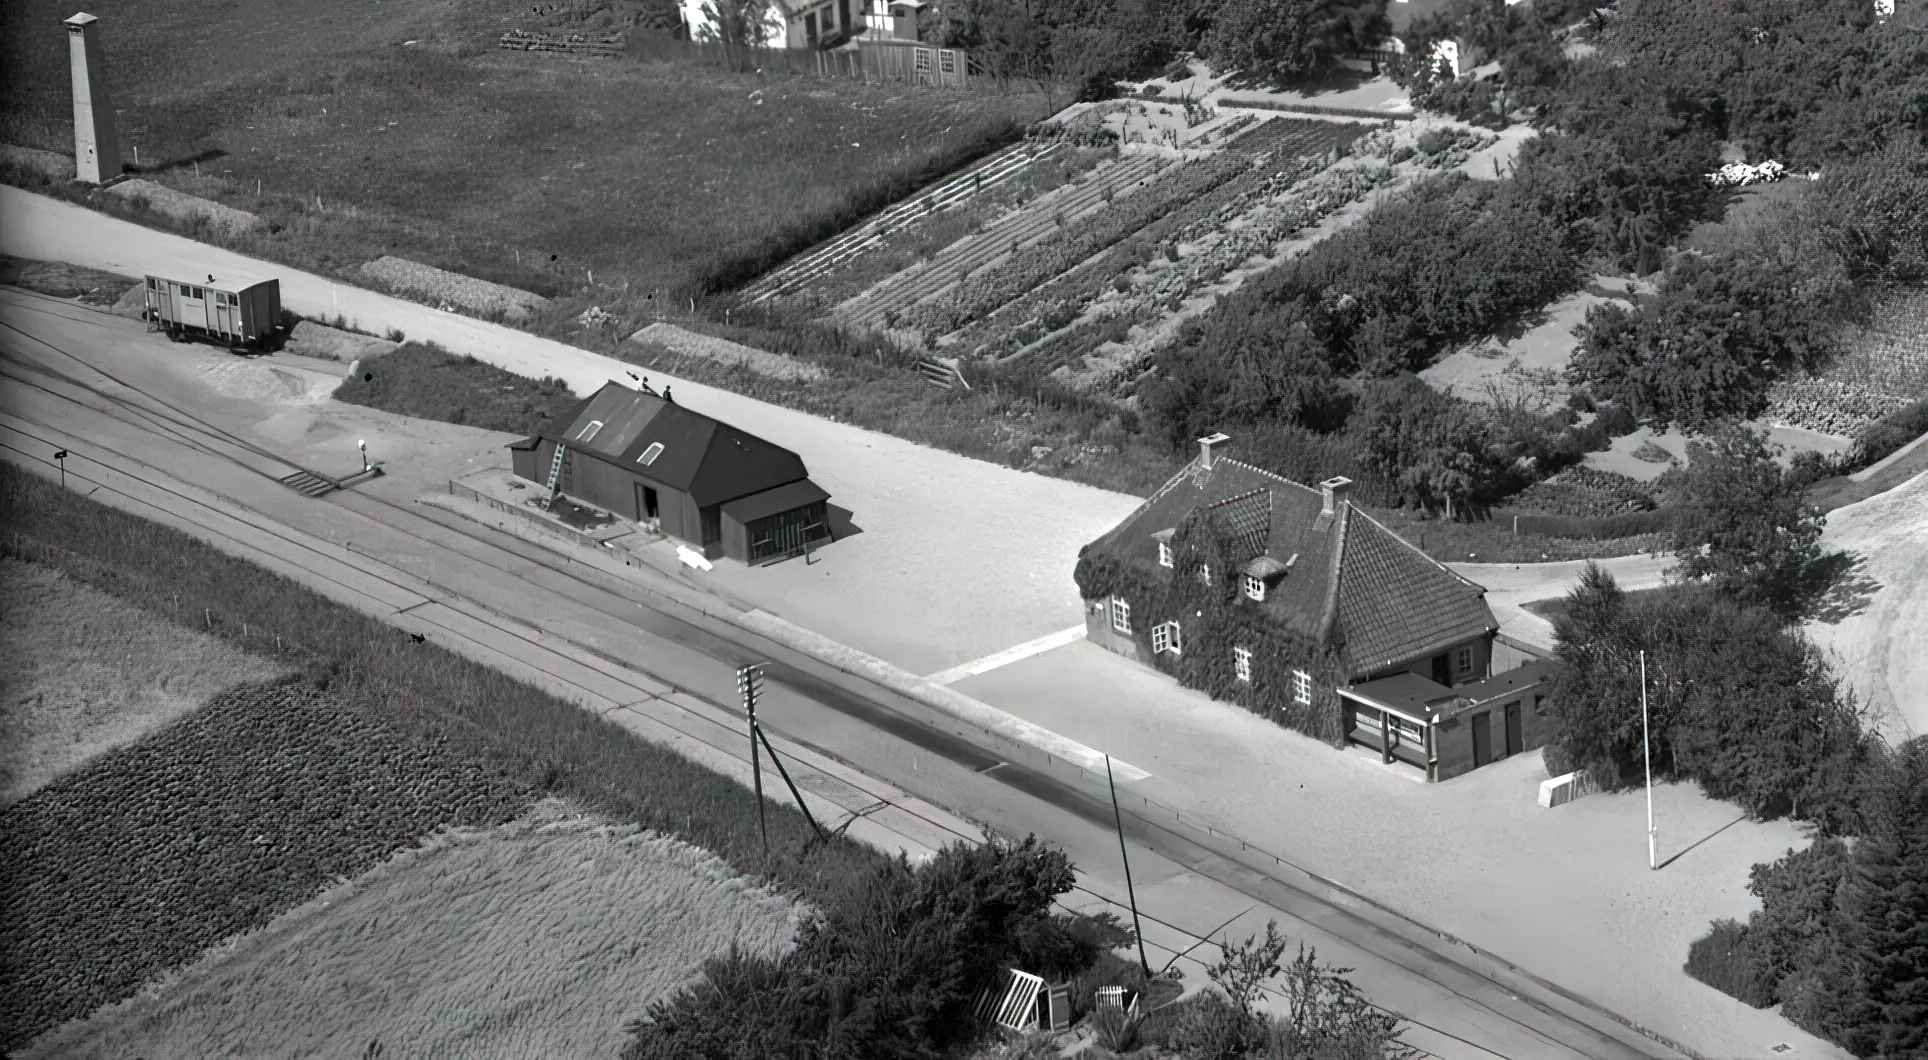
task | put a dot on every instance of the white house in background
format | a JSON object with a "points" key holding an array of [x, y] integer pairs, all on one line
{"points": [[786, 23]]}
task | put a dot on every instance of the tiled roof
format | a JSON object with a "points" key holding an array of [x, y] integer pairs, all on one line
{"points": [[1352, 579], [1396, 603], [711, 461]]}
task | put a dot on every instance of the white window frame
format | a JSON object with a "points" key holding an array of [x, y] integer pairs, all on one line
{"points": [[1167, 637], [589, 431], [1255, 587], [1302, 688], [1464, 660], [1121, 615], [1242, 664], [649, 455], [1164, 554], [1405, 730]]}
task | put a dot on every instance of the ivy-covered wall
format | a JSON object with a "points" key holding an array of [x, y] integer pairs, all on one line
{"points": [[1213, 619]]}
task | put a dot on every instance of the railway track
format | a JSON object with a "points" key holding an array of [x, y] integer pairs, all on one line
{"points": [[121, 400]]}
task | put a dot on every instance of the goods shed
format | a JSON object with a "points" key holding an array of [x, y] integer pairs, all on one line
{"points": [[693, 478]]}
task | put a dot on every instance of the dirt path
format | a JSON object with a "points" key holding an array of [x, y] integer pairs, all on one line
{"points": [[1880, 648]]}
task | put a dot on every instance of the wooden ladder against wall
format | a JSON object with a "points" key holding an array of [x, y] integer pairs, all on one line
{"points": [[555, 468]]}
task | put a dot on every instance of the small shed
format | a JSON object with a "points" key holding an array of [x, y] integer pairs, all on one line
{"points": [[906, 19], [692, 478], [235, 311]]}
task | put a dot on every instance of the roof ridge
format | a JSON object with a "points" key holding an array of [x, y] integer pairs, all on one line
{"points": [[1415, 549], [1180, 475], [1253, 492], [1268, 474]]}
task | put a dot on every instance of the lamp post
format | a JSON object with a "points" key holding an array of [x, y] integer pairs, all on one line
{"points": [[1646, 753]]}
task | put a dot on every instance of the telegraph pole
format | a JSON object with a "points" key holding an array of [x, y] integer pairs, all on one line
{"points": [[1130, 895], [1646, 752], [749, 681]]}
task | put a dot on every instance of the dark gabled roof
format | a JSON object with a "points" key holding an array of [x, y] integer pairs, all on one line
{"points": [[526, 444], [1349, 579], [711, 461], [770, 502], [1396, 603]]}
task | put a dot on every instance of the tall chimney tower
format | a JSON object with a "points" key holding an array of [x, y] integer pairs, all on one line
{"points": [[96, 149]]}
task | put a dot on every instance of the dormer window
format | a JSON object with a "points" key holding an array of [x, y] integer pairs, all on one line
{"points": [[650, 454], [1205, 573], [1257, 577], [589, 431], [1164, 554], [1255, 587]]}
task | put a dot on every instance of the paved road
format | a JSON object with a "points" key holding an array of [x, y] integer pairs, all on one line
{"points": [[458, 582]]}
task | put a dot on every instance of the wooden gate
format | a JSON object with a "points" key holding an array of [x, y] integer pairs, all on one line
{"points": [[786, 534]]}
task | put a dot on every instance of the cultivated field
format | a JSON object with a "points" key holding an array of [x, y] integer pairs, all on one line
{"points": [[539, 938], [398, 128], [82, 673], [1883, 367]]}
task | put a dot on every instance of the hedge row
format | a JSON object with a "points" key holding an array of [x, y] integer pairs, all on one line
{"points": [[1628, 524], [212, 826]]}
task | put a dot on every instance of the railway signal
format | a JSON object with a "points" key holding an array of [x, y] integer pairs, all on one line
{"points": [[60, 457]]}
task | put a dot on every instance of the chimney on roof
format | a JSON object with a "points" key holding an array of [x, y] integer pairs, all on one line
{"points": [[1335, 491], [1208, 448]]}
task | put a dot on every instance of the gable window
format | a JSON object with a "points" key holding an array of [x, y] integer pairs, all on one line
{"points": [[1301, 688], [1242, 664], [1255, 587], [1165, 637], [1164, 554], [650, 454], [1465, 660], [1120, 615], [589, 431]]}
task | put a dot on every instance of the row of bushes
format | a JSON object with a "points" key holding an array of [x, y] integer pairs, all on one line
{"points": [[134, 864]]}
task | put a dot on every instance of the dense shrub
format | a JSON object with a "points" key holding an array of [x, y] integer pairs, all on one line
{"points": [[1841, 939], [1883, 437], [1875, 209], [1743, 524], [1722, 328], [1740, 703], [210, 827], [893, 971], [427, 381], [1292, 40]]}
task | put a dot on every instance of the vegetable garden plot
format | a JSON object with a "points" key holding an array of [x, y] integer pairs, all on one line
{"points": [[123, 870], [1882, 369]]}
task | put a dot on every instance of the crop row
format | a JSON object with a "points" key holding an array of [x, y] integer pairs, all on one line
{"points": [[1586, 492], [1044, 268], [1244, 219], [135, 864]]}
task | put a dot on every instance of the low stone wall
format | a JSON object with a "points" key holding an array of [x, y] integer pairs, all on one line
{"points": [[568, 43]]}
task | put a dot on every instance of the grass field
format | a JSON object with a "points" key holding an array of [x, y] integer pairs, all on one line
{"points": [[82, 673], [431, 383], [542, 938], [399, 128]]}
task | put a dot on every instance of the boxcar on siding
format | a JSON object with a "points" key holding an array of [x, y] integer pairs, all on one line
{"points": [[239, 314]]}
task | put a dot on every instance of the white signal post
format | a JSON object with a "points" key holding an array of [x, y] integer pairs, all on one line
{"points": [[1646, 752], [363, 444]]}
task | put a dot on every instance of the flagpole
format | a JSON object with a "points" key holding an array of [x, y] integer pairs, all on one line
{"points": [[1646, 752]]}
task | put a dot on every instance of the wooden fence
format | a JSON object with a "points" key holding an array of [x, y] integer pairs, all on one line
{"points": [[873, 62]]}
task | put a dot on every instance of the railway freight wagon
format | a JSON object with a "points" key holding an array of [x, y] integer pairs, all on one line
{"points": [[240, 313]]}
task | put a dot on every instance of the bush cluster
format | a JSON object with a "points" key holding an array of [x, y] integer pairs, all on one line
{"points": [[212, 826], [1586, 492], [1841, 939], [894, 970], [1213, 619], [1774, 734]]}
